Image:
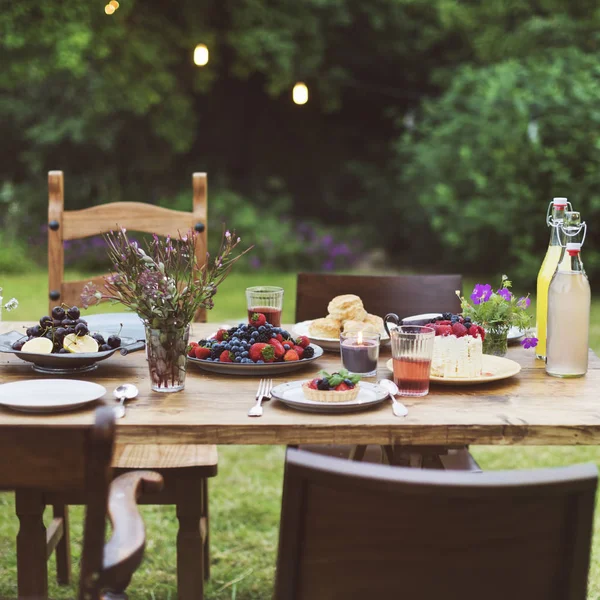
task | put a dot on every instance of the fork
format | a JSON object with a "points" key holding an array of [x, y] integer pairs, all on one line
{"points": [[263, 393]]}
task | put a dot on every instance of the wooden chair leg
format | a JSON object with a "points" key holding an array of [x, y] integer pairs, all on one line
{"points": [[190, 546], [206, 520], [32, 571], [63, 548]]}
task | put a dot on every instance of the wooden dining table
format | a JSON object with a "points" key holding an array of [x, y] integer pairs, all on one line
{"points": [[530, 408]]}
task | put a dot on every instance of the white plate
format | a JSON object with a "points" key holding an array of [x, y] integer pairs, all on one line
{"points": [[494, 368], [292, 395], [330, 344], [49, 395], [253, 368], [515, 335]]}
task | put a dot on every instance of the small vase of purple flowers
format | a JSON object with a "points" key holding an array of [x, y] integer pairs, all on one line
{"points": [[498, 311]]}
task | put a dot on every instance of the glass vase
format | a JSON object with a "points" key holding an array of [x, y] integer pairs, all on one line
{"points": [[496, 342], [167, 357]]}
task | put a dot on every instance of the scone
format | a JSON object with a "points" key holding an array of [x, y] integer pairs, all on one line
{"points": [[347, 307], [337, 387], [356, 326], [326, 327], [377, 322]]}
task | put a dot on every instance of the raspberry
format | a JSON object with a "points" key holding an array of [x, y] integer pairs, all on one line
{"points": [[474, 331], [459, 330], [444, 330]]}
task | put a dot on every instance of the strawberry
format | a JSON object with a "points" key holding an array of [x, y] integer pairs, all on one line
{"points": [[313, 384], [445, 322], [279, 338], [474, 331], [291, 355], [226, 356], [481, 332], [221, 335], [302, 341], [342, 387], [192, 349], [261, 351], [277, 347], [201, 352], [459, 330], [257, 319], [299, 350], [444, 330]]}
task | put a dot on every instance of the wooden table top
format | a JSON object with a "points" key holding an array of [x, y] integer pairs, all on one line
{"points": [[530, 408]]}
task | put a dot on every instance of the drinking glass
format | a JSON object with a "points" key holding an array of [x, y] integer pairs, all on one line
{"points": [[360, 352], [265, 299], [412, 349]]}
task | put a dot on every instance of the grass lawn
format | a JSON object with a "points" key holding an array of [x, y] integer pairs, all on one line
{"points": [[246, 495]]}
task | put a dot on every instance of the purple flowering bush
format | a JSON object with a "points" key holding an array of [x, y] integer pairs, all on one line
{"points": [[497, 311], [162, 283]]}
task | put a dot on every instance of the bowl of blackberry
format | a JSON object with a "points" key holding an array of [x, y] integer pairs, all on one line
{"points": [[62, 343], [256, 347]]}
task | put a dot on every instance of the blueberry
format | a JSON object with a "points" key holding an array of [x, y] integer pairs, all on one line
{"points": [[245, 354], [285, 334], [287, 347], [262, 329], [277, 329], [454, 319], [238, 359], [260, 362], [348, 382]]}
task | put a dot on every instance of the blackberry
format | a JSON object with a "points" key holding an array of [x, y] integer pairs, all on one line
{"points": [[323, 385], [232, 331], [203, 343], [446, 316], [309, 352], [263, 337], [217, 350]]}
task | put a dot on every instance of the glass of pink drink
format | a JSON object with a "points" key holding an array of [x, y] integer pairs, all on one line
{"points": [[412, 349], [265, 299]]}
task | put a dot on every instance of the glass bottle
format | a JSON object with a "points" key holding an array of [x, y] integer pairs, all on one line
{"points": [[569, 301], [554, 220]]}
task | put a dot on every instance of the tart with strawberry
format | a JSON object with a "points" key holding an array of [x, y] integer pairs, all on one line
{"points": [[457, 347], [337, 387]]}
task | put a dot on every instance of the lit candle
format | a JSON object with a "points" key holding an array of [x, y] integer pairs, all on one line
{"points": [[360, 352]]}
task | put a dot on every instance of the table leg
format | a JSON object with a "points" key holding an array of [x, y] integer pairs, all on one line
{"points": [[190, 546], [63, 548], [32, 571]]}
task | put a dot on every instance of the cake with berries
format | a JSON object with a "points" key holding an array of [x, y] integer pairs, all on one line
{"points": [[457, 347], [337, 387]]}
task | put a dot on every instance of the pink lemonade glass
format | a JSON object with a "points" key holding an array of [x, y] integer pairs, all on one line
{"points": [[412, 349], [265, 299]]}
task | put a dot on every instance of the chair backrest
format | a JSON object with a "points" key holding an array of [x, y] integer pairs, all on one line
{"points": [[351, 530], [76, 459], [404, 295], [136, 216]]}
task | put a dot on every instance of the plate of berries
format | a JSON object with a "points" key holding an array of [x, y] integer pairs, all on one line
{"points": [[253, 349], [63, 344]]}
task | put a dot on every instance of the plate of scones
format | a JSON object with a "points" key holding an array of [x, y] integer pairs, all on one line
{"points": [[346, 313]]}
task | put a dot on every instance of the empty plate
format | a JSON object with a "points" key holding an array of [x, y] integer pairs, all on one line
{"points": [[49, 395]]}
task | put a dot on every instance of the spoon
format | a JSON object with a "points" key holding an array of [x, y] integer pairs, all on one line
{"points": [[126, 391], [399, 409]]}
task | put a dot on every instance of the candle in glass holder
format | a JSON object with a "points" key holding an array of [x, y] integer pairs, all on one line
{"points": [[360, 352]]}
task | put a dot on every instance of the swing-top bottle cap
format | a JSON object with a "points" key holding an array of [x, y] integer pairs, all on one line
{"points": [[573, 247], [559, 202]]}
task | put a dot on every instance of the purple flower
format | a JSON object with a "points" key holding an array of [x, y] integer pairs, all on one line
{"points": [[255, 262], [328, 265], [523, 303], [481, 293], [505, 294], [326, 241], [529, 342]]}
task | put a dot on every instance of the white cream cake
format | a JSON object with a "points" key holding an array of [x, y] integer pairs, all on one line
{"points": [[457, 356]]}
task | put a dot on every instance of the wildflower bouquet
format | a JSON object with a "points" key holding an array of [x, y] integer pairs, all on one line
{"points": [[162, 283], [498, 311], [8, 306]]}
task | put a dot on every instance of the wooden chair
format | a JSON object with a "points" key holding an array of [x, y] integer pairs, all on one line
{"points": [[38, 458], [352, 531], [404, 295], [185, 468]]}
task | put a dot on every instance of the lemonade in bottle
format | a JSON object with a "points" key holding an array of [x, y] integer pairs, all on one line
{"points": [[556, 212]]}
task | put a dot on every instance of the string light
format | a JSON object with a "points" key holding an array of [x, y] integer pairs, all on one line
{"points": [[300, 93], [109, 9], [201, 55]]}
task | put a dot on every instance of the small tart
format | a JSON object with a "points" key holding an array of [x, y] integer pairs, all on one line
{"points": [[327, 327], [330, 395]]}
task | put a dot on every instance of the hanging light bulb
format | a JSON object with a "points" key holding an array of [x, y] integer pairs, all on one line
{"points": [[300, 93], [109, 9], [201, 55]]}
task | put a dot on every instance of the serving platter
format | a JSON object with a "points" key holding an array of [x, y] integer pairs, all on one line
{"points": [[291, 394], [66, 364], [254, 368], [49, 395], [494, 368], [329, 344]]}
